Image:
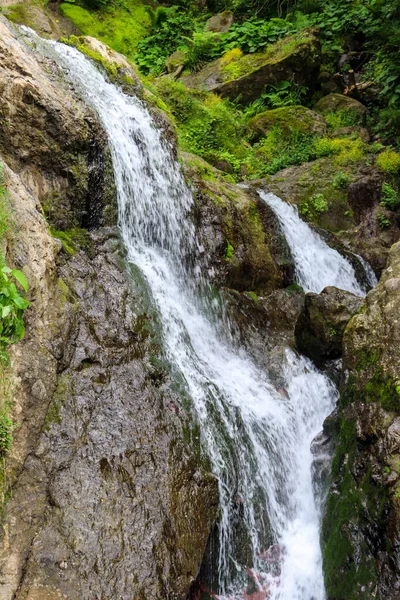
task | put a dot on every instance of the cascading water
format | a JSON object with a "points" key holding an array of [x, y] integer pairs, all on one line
{"points": [[317, 265], [257, 434]]}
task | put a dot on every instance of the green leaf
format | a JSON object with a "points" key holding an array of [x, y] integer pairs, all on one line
{"points": [[5, 312], [20, 277], [6, 270]]}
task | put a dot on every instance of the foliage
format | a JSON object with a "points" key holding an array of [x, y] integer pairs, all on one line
{"points": [[200, 49], [389, 162], [229, 250], [341, 181], [314, 206], [285, 93], [342, 118], [383, 221], [390, 197], [12, 307], [171, 30], [121, 25]]}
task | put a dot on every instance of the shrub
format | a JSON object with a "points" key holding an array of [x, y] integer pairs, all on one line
{"points": [[390, 197], [341, 181], [314, 206], [383, 221], [389, 162]]}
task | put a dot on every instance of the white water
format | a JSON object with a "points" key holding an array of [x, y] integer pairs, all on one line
{"points": [[317, 265], [258, 435]]}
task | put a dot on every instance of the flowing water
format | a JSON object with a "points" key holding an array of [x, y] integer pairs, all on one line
{"points": [[317, 265], [256, 433]]}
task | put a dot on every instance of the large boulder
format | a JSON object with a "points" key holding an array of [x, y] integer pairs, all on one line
{"points": [[338, 102], [361, 527], [320, 326], [295, 58], [288, 119]]}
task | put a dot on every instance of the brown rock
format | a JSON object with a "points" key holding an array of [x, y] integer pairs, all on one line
{"points": [[220, 23]]}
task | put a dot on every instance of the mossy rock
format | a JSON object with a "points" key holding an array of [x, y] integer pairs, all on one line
{"points": [[294, 58], [362, 519], [176, 60], [242, 245], [220, 23], [338, 103], [289, 119]]}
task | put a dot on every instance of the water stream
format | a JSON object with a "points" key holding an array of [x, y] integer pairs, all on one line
{"points": [[317, 265], [256, 433]]}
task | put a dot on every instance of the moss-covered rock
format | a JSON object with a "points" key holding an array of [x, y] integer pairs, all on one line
{"points": [[338, 103], [362, 521], [321, 324], [295, 58], [220, 23], [288, 119], [241, 240]]}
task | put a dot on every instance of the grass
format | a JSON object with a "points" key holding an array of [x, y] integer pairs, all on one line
{"points": [[121, 28]]}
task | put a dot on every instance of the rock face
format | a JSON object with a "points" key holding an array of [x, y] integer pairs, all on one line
{"points": [[109, 496], [320, 326], [361, 526], [240, 239], [293, 58]]}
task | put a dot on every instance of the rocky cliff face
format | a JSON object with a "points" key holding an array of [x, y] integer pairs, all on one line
{"points": [[108, 495], [361, 525]]}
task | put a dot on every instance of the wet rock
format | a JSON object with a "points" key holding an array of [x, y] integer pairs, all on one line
{"points": [[339, 102], [320, 326], [220, 23], [366, 464], [288, 118], [109, 495], [240, 242], [294, 58], [52, 140]]}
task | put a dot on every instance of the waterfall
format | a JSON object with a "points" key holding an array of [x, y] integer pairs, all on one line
{"points": [[316, 264], [256, 432]]}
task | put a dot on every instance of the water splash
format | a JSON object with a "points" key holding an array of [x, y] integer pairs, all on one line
{"points": [[258, 435]]}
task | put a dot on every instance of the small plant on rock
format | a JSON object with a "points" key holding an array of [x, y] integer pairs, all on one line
{"points": [[12, 307], [390, 197], [383, 221], [341, 181]]}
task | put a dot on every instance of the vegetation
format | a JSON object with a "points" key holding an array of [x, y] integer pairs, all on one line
{"points": [[12, 307]]}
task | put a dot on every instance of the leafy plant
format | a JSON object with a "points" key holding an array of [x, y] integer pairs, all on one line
{"points": [[12, 307], [341, 181], [390, 197], [314, 206], [383, 221]]}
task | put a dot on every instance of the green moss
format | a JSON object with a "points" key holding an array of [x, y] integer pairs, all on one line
{"points": [[252, 295], [121, 27], [349, 504], [272, 54], [73, 240], [389, 162], [343, 118], [229, 250]]}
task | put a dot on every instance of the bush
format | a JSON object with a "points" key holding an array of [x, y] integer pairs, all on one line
{"points": [[341, 181], [389, 162], [390, 197]]}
